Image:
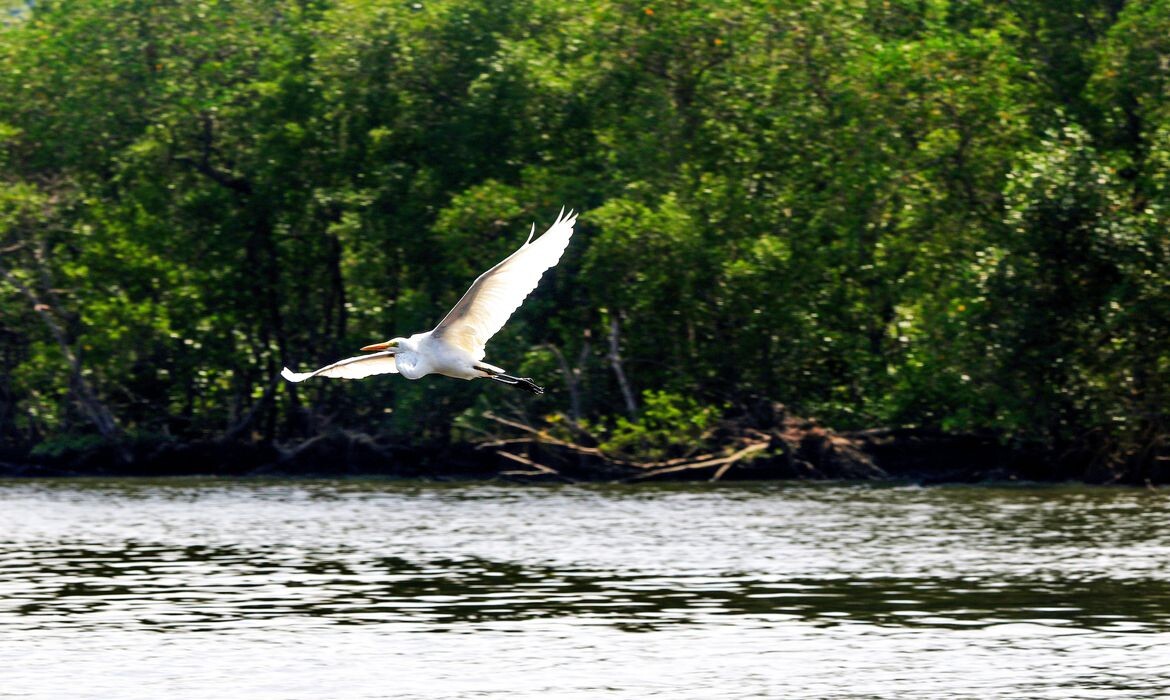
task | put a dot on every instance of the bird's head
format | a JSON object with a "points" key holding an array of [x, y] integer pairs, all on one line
{"points": [[388, 345]]}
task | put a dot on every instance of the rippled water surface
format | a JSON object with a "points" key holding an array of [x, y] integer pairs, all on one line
{"points": [[244, 590]]}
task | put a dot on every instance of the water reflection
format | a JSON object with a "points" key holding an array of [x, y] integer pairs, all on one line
{"points": [[55, 581], [196, 585], [911, 567]]}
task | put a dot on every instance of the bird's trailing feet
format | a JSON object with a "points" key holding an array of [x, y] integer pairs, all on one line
{"points": [[530, 386], [524, 383]]}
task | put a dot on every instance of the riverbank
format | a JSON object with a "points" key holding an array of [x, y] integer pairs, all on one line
{"points": [[773, 446]]}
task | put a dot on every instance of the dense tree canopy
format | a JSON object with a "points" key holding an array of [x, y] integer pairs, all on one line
{"points": [[880, 213]]}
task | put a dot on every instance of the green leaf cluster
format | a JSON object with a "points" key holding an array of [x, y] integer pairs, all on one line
{"points": [[931, 214]]}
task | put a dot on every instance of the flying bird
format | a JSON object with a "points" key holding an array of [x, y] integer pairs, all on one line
{"points": [[455, 348]]}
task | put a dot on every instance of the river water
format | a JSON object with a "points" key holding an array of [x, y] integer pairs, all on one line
{"points": [[364, 589]]}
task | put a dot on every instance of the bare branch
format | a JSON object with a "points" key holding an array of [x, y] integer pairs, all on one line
{"points": [[538, 467], [722, 463]]}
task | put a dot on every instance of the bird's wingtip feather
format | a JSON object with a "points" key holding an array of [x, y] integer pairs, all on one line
{"points": [[566, 217], [293, 376]]}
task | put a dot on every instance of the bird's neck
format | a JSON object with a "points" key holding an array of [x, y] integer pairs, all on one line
{"points": [[412, 359], [410, 363]]}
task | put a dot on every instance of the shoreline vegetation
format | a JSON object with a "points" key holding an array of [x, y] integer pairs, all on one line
{"points": [[769, 444], [948, 220]]}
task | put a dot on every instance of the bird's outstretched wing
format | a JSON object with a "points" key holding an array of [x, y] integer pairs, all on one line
{"points": [[492, 298], [349, 368]]}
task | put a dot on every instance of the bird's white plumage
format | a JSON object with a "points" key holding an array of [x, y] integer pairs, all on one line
{"points": [[455, 347], [350, 368], [497, 293]]}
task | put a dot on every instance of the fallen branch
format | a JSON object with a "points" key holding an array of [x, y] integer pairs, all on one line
{"points": [[677, 460], [510, 423], [722, 463], [540, 468], [543, 438], [752, 449], [505, 443]]}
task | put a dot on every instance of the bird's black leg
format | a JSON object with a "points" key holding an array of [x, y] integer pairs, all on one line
{"points": [[524, 383]]}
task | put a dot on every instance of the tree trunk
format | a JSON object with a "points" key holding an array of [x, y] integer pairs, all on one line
{"points": [[94, 409], [572, 378], [615, 361]]}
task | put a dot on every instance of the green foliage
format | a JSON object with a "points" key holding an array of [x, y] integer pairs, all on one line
{"points": [[82, 443], [65, 444], [939, 214], [667, 423]]}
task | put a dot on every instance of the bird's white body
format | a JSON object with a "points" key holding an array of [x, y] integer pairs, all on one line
{"points": [[455, 348], [422, 354]]}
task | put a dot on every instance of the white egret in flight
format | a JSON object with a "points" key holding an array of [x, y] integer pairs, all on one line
{"points": [[455, 348]]}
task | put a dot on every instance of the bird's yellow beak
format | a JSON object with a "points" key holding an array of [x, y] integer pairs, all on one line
{"points": [[380, 346]]}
